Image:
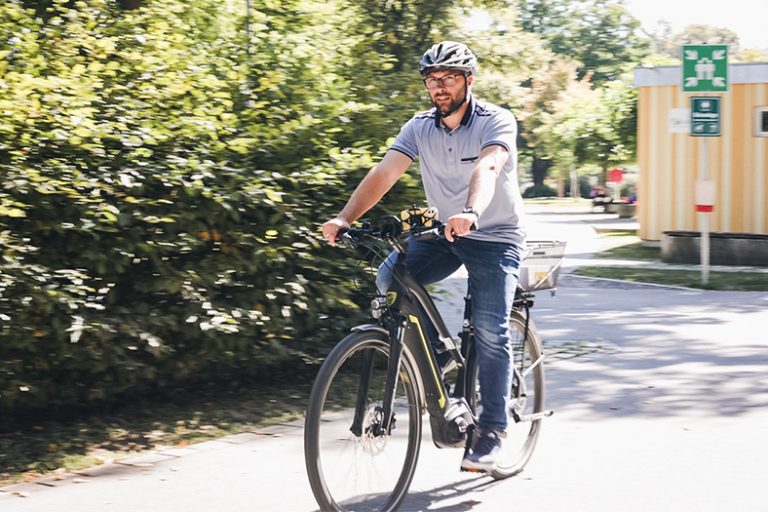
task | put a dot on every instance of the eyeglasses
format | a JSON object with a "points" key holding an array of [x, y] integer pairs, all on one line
{"points": [[443, 81]]}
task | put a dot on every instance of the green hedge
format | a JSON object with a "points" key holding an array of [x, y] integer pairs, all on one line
{"points": [[161, 190], [539, 191]]}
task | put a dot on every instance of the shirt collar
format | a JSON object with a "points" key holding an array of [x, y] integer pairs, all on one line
{"points": [[467, 113]]}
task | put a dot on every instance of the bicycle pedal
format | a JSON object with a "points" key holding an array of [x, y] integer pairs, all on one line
{"points": [[473, 470], [537, 416]]}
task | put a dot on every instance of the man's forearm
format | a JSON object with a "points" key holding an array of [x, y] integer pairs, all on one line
{"points": [[481, 189], [376, 183], [366, 195], [483, 183]]}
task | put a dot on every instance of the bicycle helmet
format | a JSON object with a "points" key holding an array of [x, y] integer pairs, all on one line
{"points": [[448, 55]]}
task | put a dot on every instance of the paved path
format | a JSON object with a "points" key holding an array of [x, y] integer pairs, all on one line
{"points": [[661, 404]]}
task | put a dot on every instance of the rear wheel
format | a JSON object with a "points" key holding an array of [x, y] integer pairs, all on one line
{"points": [[526, 400], [352, 463]]}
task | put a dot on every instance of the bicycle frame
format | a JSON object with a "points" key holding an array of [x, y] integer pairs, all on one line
{"points": [[405, 322]]}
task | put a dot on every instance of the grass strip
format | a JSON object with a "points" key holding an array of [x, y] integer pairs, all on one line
{"points": [[633, 251], [723, 281]]}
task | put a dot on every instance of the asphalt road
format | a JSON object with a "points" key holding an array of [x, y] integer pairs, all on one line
{"points": [[660, 397]]}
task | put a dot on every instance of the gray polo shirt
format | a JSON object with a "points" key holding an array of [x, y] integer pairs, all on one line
{"points": [[447, 159]]}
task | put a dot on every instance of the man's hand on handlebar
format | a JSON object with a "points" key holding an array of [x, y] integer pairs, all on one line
{"points": [[395, 229], [459, 225], [333, 228]]}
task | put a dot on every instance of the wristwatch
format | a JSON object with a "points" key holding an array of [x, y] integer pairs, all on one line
{"points": [[470, 209]]}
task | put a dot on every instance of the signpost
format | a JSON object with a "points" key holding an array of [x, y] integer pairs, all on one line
{"points": [[705, 69], [615, 176]]}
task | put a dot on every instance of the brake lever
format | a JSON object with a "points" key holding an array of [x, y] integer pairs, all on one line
{"points": [[430, 234], [434, 234]]}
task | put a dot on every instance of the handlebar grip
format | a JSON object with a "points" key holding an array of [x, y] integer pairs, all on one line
{"points": [[352, 234], [346, 235]]}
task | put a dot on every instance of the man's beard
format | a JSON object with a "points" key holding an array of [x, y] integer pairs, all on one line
{"points": [[453, 106]]}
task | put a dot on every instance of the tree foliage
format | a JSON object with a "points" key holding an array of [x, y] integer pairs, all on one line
{"points": [[509, 58], [667, 45], [566, 123], [600, 34], [160, 190], [163, 176], [590, 126]]}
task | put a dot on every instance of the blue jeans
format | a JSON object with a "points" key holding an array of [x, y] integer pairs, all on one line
{"points": [[493, 271]]}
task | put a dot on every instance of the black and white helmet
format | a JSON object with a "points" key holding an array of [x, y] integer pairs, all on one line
{"points": [[448, 55]]}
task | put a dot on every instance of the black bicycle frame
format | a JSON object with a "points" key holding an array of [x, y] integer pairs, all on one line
{"points": [[405, 322]]}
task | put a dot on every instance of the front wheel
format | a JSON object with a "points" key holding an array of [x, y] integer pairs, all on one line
{"points": [[352, 462], [526, 400]]}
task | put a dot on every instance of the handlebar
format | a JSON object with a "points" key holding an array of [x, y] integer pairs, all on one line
{"points": [[390, 230], [421, 223]]}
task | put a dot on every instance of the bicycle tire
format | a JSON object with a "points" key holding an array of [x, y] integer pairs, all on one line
{"points": [[340, 464], [521, 438]]}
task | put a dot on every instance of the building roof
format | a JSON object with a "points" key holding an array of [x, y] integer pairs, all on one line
{"points": [[740, 73]]}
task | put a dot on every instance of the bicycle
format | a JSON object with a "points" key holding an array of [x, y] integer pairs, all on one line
{"points": [[363, 424]]}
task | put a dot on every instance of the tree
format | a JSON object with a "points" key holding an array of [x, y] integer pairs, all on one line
{"points": [[509, 58], [404, 27], [667, 45], [751, 55], [542, 103], [705, 34], [590, 126], [565, 117], [602, 35], [160, 190]]}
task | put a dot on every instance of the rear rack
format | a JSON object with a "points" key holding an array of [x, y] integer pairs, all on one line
{"points": [[541, 265]]}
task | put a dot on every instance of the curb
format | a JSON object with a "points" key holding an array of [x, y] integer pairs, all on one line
{"points": [[638, 283]]}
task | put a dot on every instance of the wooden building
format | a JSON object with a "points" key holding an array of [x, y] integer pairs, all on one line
{"points": [[668, 156]]}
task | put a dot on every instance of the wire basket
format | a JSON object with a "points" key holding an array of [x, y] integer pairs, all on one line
{"points": [[541, 266]]}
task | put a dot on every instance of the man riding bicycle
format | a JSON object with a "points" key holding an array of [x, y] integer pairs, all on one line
{"points": [[468, 160]]}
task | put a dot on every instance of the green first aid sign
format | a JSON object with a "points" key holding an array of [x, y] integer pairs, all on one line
{"points": [[705, 68]]}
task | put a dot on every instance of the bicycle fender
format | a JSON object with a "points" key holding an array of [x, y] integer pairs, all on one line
{"points": [[370, 327]]}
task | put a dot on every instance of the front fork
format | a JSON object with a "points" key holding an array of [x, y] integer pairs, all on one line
{"points": [[365, 372], [393, 373]]}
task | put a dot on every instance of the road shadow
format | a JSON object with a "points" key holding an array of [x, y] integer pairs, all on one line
{"points": [[444, 498], [660, 352], [441, 498]]}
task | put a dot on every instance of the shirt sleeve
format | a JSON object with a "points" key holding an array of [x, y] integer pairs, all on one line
{"points": [[500, 130], [405, 142]]}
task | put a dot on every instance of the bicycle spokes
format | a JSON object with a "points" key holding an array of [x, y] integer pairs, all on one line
{"points": [[357, 460]]}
